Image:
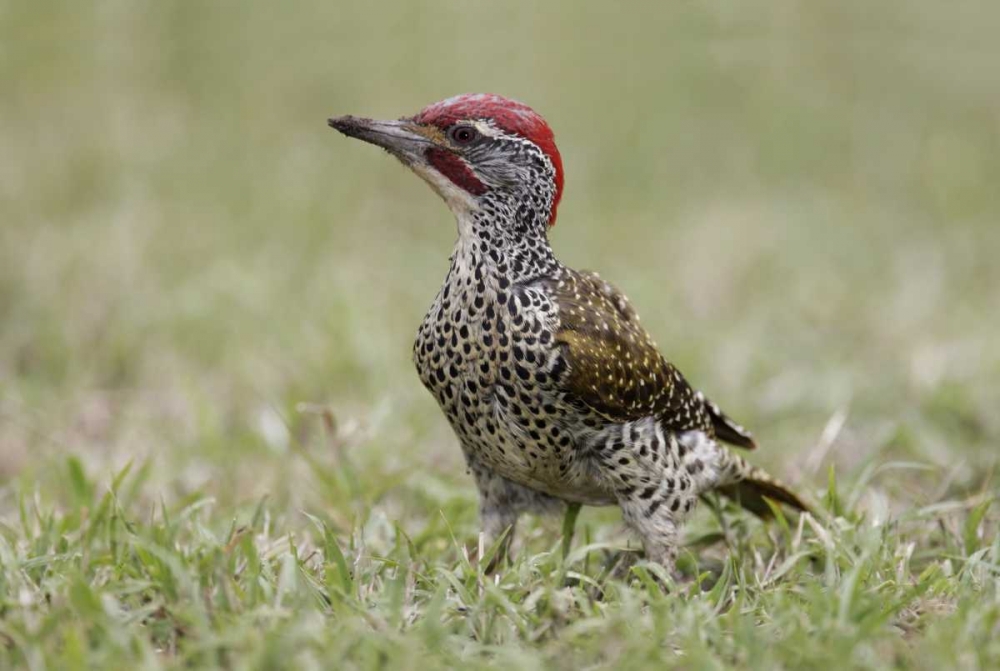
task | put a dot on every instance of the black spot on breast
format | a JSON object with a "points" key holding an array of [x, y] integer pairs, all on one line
{"points": [[653, 507], [648, 492]]}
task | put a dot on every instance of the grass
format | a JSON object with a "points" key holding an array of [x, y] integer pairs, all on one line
{"points": [[214, 451], [110, 581]]}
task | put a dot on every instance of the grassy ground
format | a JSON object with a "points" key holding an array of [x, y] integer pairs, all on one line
{"points": [[213, 449]]}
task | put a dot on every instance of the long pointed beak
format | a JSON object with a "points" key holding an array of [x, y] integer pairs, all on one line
{"points": [[400, 137]]}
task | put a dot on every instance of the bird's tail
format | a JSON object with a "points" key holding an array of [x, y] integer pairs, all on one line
{"points": [[748, 485]]}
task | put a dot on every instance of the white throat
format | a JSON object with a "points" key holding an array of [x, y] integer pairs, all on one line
{"points": [[460, 202]]}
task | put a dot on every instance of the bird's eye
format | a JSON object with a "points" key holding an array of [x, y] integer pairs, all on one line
{"points": [[463, 134]]}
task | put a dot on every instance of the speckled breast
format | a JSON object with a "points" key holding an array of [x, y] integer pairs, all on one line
{"points": [[490, 361]]}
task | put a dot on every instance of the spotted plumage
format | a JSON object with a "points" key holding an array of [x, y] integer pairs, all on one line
{"points": [[554, 389]]}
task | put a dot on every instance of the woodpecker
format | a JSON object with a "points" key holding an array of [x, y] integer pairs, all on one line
{"points": [[555, 391]]}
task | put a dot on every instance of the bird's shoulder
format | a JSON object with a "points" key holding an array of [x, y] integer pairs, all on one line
{"points": [[615, 368], [613, 364]]}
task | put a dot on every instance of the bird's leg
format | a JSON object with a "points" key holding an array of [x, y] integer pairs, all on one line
{"points": [[500, 504], [497, 515], [658, 512], [644, 469], [569, 527], [497, 521], [658, 531]]}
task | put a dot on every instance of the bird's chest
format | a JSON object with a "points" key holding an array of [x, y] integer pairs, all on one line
{"points": [[490, 360], [456, 347]]}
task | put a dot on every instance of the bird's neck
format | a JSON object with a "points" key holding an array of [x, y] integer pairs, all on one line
{"points": [[503, 239]]}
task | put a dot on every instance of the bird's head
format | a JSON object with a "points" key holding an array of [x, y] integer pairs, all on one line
{"points": [[479, 152]]}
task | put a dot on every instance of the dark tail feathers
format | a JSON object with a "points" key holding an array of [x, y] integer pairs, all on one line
{"points": [[750, 494]]}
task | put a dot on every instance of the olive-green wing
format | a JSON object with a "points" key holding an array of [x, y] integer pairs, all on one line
{"points": [[614, 367]]}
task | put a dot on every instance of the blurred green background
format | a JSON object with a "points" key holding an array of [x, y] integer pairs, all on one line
{"points": [[800, 198]]}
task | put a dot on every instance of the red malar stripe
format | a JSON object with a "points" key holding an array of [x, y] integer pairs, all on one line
{"points": [[455, 169]]}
